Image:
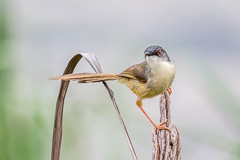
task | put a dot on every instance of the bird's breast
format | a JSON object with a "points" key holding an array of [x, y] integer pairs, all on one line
{"points": [[160, 78]]}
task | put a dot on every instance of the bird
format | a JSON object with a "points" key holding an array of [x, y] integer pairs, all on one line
{"points": [[147, 79]]}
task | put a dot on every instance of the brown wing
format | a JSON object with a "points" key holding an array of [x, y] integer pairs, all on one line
{"points": [[136, 71]]}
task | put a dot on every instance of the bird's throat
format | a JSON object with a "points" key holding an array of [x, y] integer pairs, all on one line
{"points": [[160, 74]]}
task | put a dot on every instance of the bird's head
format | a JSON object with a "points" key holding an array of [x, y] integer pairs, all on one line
{"points": [[155, 56], [156, 52]]}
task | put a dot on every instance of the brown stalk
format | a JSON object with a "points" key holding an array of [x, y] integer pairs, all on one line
{"points": [[166, 145]]}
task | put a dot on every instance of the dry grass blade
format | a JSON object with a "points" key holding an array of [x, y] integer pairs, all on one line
{"points": [[92, 60], [57, 131]]}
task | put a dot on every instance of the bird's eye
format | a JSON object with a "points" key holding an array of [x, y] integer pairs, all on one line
{"points": [[159, 53]]}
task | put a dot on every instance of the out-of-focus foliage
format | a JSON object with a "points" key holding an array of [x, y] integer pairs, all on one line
{"points": [[21, 134]]}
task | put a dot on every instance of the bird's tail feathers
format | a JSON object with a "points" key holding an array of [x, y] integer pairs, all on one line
{"points": [[87, 77]]}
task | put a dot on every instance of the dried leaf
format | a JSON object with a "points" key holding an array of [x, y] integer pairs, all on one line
{"points": [[57, 131]]}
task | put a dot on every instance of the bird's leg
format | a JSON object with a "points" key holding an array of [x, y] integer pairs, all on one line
{"points": [[169, 90], [160, 126]]}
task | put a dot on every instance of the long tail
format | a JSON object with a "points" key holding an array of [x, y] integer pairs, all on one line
{"points": [[87, 77]]}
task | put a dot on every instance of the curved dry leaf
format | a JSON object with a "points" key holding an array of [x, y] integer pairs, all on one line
{"points": [[57, 131]]}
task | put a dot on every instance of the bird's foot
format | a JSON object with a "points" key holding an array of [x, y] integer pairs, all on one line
{"points": [[161, 127], [158, 127], [169, 90]]}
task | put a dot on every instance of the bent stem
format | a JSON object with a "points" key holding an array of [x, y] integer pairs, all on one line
{"points": [[57, 130]]}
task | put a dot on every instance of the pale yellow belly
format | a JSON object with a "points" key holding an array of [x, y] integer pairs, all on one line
{"points": [[144, 90]]}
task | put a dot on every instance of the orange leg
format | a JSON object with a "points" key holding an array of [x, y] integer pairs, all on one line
{"points": [[169, 90], [160, 126]]}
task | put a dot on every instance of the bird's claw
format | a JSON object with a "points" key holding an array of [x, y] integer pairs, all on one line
{"points": [[161, 127]]}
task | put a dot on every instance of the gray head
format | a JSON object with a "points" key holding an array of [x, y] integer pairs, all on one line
{"points": [[156, 51]]}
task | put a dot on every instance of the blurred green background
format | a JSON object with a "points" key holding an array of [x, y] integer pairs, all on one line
{"points": [[38, 38]]}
